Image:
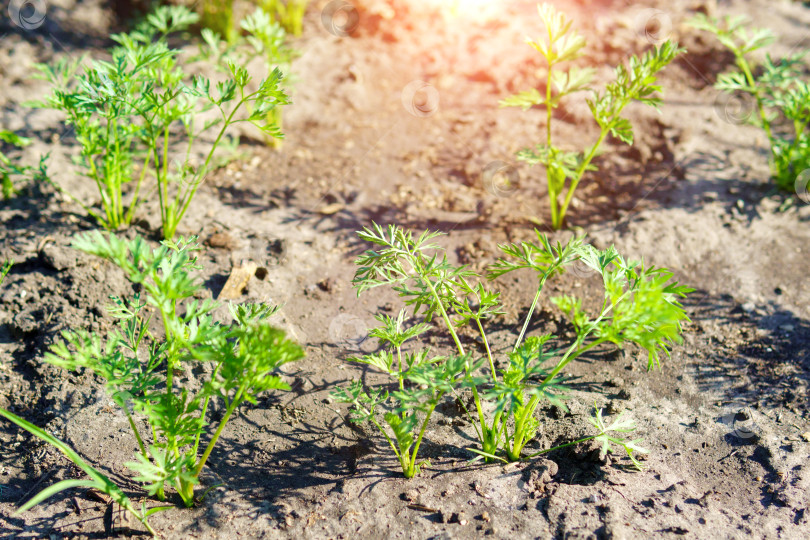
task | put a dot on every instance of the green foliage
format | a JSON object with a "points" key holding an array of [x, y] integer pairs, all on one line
{"points": [[4, 270], [288, 13], [139, 366], [137, 116], [217, 16], [406, 411], [781, 95], [9, 168], [640, 305], [98, 481], [619, 425], [634, 82], [266, 39]]}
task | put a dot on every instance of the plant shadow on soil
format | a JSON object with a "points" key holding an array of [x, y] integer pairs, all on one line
{"points": [[774, 354], [114, 521]]}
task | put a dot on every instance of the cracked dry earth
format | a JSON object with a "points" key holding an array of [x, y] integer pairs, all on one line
{"points": [[725, 418]]}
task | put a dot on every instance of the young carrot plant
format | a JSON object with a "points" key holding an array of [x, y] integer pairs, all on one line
{"points": [[140, 367], [407, 410], [422, 379], [640, 306], [636, 82], [265, 39], [138, 116], [780, 93]]}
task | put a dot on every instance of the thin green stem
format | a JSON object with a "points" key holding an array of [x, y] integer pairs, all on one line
{"points": [[185, 200], [400, 375], [469, 414], [552, 189], [203, 414], [480, 410], [137, 192], [575, 350], [145, 524], [749, 77], [569, 353], [489, 351], [421, 435], [165, 173], [237, 400], [144, 453], [575, 179], [387, 438], [106, 223], [162, 198], [587, 348], [543, 277], [445, 316], [529, 315]]}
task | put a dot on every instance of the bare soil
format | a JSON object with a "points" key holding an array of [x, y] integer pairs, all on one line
{"points": [[725, 417]]}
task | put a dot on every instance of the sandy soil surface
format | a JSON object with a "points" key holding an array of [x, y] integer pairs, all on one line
{"points": [[725, 418]]}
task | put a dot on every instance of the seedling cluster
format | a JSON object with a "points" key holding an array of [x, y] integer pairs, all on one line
{"points": [[139, 366], [640, 306], [139, 115]]}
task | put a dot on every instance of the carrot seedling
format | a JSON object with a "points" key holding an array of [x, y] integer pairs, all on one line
{"points": [[635, 82], [140, 366], [137, 116], [780, 93], [640, 306], [265, 39]]}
